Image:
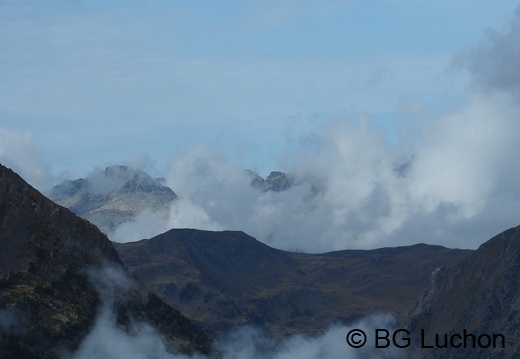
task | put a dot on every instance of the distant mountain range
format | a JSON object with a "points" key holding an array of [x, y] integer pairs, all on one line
{"points": [[111, 197], [51, 264]]}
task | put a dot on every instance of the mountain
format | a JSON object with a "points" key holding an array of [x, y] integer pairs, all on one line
{"points": [[480, 295], [113, 196], [276, 181], [55, 276], [224, 279]]}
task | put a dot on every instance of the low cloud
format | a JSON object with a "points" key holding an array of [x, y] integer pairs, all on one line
{"points": [[247, 342], [107, 339], [146, 225]]}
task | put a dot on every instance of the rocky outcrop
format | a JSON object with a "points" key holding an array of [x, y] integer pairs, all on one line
{"points": [[51, 264]]}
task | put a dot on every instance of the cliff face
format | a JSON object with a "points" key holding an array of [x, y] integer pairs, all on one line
{"points": [[480, 295], [50, 265]]}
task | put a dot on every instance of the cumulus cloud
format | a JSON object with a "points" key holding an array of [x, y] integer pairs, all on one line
{"points": [[19, 152]]}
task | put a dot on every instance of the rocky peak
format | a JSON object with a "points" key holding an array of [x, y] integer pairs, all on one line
{"points": [[113, 196], [276, 181]]}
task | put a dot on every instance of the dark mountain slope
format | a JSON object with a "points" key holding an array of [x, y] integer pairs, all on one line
{"points": [[222, 279], [481, 294], [50, 261]]}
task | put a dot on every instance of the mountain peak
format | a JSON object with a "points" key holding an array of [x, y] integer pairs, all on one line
{"points": [[276, 181], [113, 196]]}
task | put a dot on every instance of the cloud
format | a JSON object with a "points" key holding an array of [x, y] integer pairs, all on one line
{"points": [[494, 61], [358, 189], [19, 152], [107, 339], [146, 225], [247, 342], [442, 183]]}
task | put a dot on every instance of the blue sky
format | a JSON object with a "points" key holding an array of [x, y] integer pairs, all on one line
{"points": [[97, 82], [338, 93]]}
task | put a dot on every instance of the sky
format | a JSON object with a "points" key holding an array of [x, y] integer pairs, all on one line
{"points": [[339, 93]]}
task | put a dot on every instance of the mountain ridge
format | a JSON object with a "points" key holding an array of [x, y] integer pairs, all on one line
{"points": [[223, 279]]}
